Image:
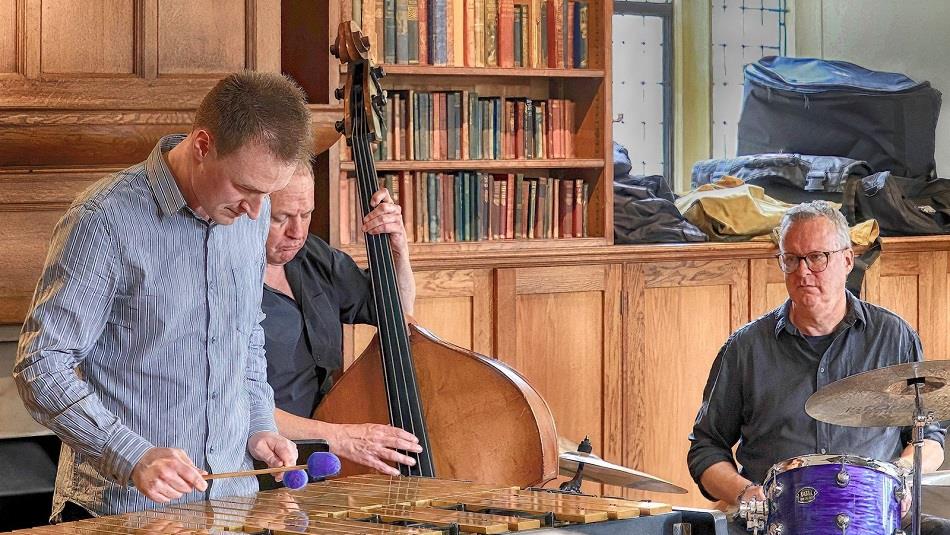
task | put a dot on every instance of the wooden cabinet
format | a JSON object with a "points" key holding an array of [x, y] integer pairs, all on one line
{"points": [[558, 326], [678, 314]]}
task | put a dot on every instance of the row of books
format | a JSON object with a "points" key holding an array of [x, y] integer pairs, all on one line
{"points": [[461, 125], [473, 206], [476, 33]]}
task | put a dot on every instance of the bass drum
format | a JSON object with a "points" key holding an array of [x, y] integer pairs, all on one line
{"points": [[834, 494]]}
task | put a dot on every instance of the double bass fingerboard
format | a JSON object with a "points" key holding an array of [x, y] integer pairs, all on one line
{"points": [[371, 504]]}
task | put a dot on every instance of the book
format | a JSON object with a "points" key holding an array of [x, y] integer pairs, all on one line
{"points": [[491, 33], [517, 29], [581, 14], [437, 32], [566, 209], [402, 31], [412, 31], [479, 33], [506, 33], [459, 33], [389, 29], [423, 26], [470, 35]]}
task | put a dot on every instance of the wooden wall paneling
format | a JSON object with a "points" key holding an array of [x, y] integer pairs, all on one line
{"points": [[30, 206], [8, 36], [60, 139], [201, 37], [454, 305], [103, 43], [766, 286], [678, 315], [561, 327], [905, 284]]}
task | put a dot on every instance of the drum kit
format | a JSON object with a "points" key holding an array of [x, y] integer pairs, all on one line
{"points": [[825, 494], [848, 493]]}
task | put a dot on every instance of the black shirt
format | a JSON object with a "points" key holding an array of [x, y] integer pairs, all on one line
{"points": [[765, 372], [303, 338]]}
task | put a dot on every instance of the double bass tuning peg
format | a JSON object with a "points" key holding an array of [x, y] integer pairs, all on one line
{"points": [[378, 72], [339, 126], [338, 93], [334, 50]]}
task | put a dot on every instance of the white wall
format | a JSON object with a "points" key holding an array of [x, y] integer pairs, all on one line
{"points": [[906, 36]]}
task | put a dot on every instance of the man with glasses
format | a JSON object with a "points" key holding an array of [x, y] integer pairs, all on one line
{"points": [[757, 387]]}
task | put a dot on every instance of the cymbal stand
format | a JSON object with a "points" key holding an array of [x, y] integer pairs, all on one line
{"points": [[574, 485], [920, 421]]}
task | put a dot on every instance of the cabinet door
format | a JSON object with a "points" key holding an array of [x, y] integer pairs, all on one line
{"points": [[560, 328], [913, 285], [678, 315], [455, 305], [766, 286]]}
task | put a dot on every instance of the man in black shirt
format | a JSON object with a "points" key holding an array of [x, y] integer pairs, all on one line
{"points": [[758, 384], [310, 291]]}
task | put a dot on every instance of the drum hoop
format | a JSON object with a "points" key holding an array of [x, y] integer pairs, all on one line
{"points": [[883, 467]]}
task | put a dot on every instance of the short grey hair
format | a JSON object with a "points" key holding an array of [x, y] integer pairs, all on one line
{"points": [[814, 210]]}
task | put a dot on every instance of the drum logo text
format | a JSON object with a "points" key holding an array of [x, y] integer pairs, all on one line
{"points": [[806, 495]]}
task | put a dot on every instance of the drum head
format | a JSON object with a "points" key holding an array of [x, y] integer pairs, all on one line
{"points": [[883, 467]]}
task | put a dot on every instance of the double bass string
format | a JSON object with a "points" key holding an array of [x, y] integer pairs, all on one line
{"points": [[393, 319]]}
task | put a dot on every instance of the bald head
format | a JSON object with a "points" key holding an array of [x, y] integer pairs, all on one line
{"points": [[291, 209]]}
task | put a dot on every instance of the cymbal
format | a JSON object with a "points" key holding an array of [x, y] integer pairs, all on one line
{"points": [[936, 479], [601, 471], [883, 397]]}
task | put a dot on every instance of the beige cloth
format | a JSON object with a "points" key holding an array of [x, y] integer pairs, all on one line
{"points": [[731, 210]]}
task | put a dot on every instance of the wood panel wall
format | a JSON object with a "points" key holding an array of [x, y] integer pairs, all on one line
{"points": [[88, 87]]}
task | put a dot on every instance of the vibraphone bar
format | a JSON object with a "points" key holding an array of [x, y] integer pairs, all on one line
{"points": [[376, 505]]}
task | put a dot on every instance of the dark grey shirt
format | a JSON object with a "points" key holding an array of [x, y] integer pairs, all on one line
{"points": [[304, 337], [762, 376]]}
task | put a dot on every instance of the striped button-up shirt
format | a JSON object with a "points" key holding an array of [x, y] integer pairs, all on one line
{"points": [[145, 332]]}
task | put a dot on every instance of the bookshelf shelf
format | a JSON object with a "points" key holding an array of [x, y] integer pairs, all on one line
{"points": [[513, 72], [448, 165]]}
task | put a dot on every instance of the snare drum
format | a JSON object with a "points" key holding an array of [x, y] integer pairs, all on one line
{"points": [[834, 495]]}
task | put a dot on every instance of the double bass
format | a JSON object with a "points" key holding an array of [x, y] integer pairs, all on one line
{"points": [[476, 418]]}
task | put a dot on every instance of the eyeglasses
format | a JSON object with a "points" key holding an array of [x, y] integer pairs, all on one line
{"points": [[817, 261]]}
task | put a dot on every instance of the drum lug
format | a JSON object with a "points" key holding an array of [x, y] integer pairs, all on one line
{"points": [[775, 491], [900, 493], [843, 477], [843, 520]]}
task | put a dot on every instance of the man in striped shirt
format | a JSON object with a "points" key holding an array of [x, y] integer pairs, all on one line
{"points": [[143, 349]]}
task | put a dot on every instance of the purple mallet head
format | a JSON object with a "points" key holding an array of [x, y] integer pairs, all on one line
{"points": [[295, 479], [322, 464]]}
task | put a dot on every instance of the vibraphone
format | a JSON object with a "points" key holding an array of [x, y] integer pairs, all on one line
{"points": [[375, 504]]}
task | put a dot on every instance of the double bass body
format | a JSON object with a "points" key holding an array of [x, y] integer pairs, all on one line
{"points": [[485, 422]]}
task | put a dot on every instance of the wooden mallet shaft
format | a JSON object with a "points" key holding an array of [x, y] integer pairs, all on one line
{"points": [[245, 473]]}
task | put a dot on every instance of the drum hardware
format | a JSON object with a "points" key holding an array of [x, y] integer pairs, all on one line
{"points": [[574, 485], [913, 394], [601, 471], [755, 513]]}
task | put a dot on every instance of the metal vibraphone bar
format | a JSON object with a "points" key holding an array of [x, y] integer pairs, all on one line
{"points": [[376, 504]]}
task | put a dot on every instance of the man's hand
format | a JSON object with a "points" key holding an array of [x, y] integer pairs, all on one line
{"points": [[165, 474], [272, 449], [373, 444], [386, 217]]}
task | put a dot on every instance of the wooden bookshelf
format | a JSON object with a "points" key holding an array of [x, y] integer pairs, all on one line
{"points": [[588, 88]]}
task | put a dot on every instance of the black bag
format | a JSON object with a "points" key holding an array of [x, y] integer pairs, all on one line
{"points": [[901, 206], [642, 216], [836, 108]]}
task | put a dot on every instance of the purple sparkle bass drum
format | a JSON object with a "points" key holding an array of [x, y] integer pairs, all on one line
{"points": [[834, 495]]}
